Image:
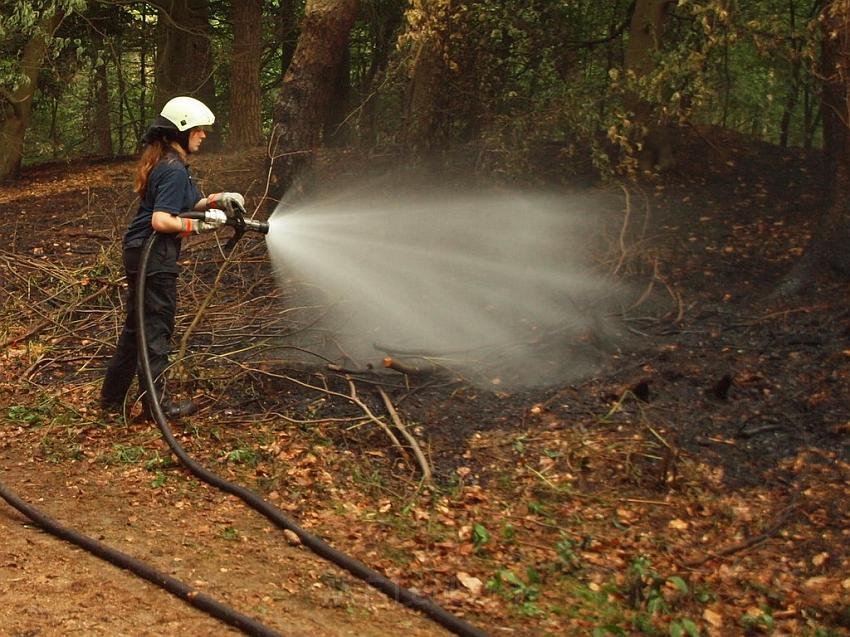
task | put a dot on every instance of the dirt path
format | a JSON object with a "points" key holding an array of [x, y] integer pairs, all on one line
{"points": [[49, 587]]}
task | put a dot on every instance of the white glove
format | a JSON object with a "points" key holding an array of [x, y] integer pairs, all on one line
{"points": [[227, 200], [215, 216], [213, 220]]}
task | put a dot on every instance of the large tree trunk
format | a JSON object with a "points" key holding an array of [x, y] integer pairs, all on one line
{"points": [[306, 95], [16, 105], [184, 58], [245, 112], [645, 35]]}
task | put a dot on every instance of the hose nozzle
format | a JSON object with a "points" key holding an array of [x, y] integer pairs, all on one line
{"points": [[255, 225]]}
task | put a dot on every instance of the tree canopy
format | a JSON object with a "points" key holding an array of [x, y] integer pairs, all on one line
{"points": [[574, 79]]}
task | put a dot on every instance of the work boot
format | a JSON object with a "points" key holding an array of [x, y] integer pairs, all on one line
{"points": [[110, 410], [172, 410]]}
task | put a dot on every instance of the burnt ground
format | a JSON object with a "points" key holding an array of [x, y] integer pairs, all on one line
{"points": [[693, 483]]}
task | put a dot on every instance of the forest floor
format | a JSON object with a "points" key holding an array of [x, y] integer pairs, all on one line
{"points": [[695, 482]]}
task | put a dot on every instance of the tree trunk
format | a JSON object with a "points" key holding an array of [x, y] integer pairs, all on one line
{"points": [[245, 113], [830, 244], [645, 34], [16, 105], [307, 92], [336, 131], [424, 108], [385, 28], [287, 34], [184, 58], [101, 121]]}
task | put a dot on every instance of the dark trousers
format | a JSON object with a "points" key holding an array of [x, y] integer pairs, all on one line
{"points": [[160, 309]]}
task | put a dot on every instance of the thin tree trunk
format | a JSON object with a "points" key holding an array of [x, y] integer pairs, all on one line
{"points": [[245, 113], [307, 92], [794, 89], [830, 244], [16, 105], [645, 34], [832, 238], [102, 123], [424, 107]]}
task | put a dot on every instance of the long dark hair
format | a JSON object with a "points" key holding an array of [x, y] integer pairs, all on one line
{"points": [[151, 155]]}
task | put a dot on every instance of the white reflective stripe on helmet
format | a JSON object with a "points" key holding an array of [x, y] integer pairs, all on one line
{"points": [[187, 112]]}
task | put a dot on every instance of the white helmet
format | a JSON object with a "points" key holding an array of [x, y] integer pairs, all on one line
{"points": [[187, 112]]}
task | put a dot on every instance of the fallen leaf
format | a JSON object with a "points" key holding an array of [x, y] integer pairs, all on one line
{"points": [[474, 584], [679, 525], [713, 618]]}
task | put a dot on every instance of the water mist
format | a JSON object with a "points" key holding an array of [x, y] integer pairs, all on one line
{"points": [[497, 286]]}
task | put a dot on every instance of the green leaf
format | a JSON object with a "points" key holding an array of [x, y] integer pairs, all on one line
{"points": [[679, 583], [480, 535], [691, 628]]}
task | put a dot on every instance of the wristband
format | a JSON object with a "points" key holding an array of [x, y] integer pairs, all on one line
{"points": [[185, 227], [211, 200]]}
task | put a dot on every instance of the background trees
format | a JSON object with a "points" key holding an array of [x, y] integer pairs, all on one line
{"points": [[515, 85]]}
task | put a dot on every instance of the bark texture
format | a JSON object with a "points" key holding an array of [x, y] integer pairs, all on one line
{"points": [[308, 88], [645, 36], [832, 238], [425, 108], [16, 104], [245, 113], [184, 60], [829, 248]]}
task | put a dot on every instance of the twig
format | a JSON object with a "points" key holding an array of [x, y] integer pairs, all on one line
{"points": [[751, 541], [623, 229], [374, 418], [40, 326], [417, 451]]}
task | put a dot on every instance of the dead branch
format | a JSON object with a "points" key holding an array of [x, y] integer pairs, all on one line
{"points": [[354, 399], [417, 451], [623, 228], [775, 528], [412, 370], [52, 320]]}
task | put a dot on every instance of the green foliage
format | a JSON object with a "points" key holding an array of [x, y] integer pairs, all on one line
{"points": [[507, 584], [534, 87], [126, 454], [480, 535], [684, 626], [757, 622], [242, 456]]}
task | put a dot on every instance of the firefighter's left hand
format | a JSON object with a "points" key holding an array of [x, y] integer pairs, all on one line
{"points": [[228, 201]]}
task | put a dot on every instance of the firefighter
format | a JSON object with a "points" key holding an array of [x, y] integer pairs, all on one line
{"points": [[165, 187]]}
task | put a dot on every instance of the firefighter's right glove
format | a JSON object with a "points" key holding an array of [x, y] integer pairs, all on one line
{"points": [[213, 220], [229, 201]]}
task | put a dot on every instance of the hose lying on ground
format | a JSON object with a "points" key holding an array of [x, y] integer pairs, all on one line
{"points": [[275, 515], [172, 585]]}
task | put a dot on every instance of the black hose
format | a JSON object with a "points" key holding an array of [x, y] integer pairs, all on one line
{"points": [[172, 585], [318, 546]]}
